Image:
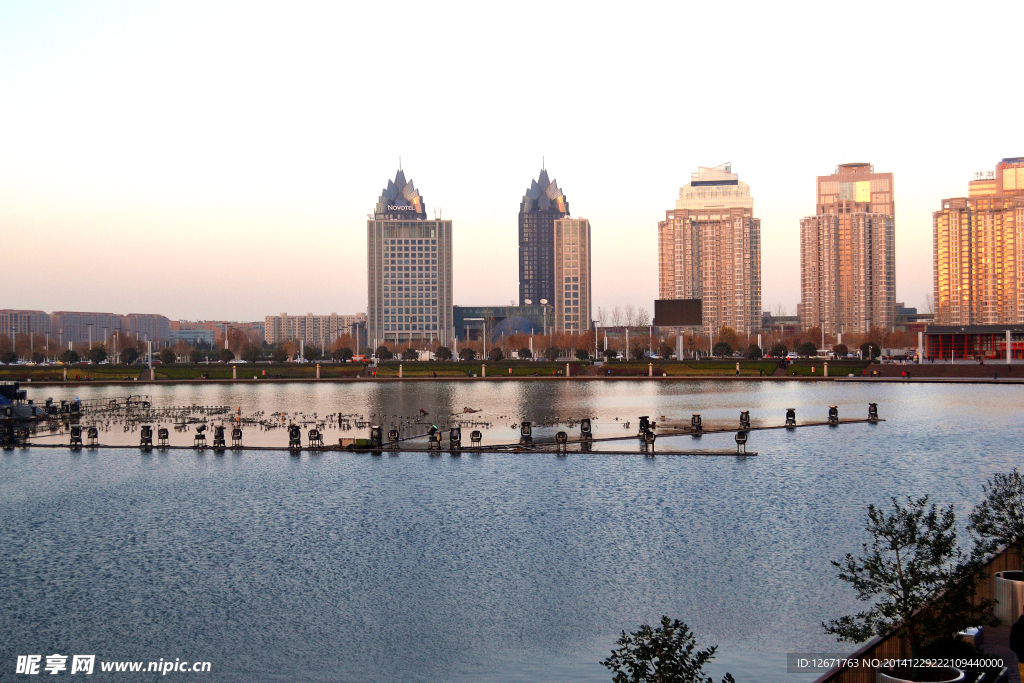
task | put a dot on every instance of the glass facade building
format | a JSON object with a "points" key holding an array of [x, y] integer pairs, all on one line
{"points": [[848, 253], [709, 248], [542, 205], [978, 250], [409, 270]]}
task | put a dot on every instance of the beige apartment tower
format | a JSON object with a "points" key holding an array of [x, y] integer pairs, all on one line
{"points": [[848, 253], [572, 275], [978, 250], [709, 248]]}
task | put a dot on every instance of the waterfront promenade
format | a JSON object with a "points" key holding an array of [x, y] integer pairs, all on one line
{"points": [[475, 371]]}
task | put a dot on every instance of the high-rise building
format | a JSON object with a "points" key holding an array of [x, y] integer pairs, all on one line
{"points": [[409, 269], [979, 250], [542, 205], [709, 248], [572, 274], [848, 253]]}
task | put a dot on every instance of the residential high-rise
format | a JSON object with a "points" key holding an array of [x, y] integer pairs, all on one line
{"points": [[571, 240], [848, 253], [542, 205], [409, 269], [979, 250], [709, 248]]}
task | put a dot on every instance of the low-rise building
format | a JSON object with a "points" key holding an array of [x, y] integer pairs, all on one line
{"points": [[316, 330], [147, 326], [79, 327], [14, 322], [956, 342], [502, 321], [195, 334]]}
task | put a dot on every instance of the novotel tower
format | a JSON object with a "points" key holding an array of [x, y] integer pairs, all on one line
{"points": [[409, 270]]}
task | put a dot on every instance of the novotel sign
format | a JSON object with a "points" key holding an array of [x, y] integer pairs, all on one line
{"points": [[401, 208]]}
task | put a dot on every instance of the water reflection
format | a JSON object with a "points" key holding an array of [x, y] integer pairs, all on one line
{"points": [[490, 567]]}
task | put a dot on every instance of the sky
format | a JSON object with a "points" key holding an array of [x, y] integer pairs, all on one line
{"points": [[218, 161]]}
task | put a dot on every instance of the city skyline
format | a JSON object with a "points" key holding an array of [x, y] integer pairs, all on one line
{"points": [[212, 185]]}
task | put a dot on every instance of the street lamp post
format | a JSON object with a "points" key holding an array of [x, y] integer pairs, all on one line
{"points": [[596, 335], [483, 321]]}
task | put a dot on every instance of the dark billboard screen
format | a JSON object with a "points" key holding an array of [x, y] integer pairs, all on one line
{"points": [[678, 312]]}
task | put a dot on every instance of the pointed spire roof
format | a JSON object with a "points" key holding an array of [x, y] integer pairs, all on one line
{"points": [[400, 199], [544, 195]]}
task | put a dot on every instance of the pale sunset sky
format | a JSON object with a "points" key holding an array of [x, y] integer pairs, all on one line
{"points": [[218, 161]]}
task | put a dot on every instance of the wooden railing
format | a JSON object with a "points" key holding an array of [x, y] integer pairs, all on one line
{"points": [[892, 646]]}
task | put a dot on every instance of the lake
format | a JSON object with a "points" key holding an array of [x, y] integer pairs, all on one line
{"points": [[490, 567]]}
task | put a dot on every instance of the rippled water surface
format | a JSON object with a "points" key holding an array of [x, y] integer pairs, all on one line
{"points": [[495, 567]]}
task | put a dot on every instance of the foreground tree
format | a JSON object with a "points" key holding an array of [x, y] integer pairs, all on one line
{"points": [[69, 357], [279, 355], [840, 350], [196, 356], [443, 353], [754, 352], [167, 356], [998, 520], [97, 354], [251, 353], [808, 349], [467, 353], [343, 354], [525, 353], [666, 654], [383, 353], [729, 336], [495, 354], [870, 349], [129, 355], [779, 350], [410, 354], [911, 562], [226, 355], [722, 349], [9, 357]]}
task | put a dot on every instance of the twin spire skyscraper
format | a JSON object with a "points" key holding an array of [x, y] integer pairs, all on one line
{"points": [[554, 256], [409, 264]]}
